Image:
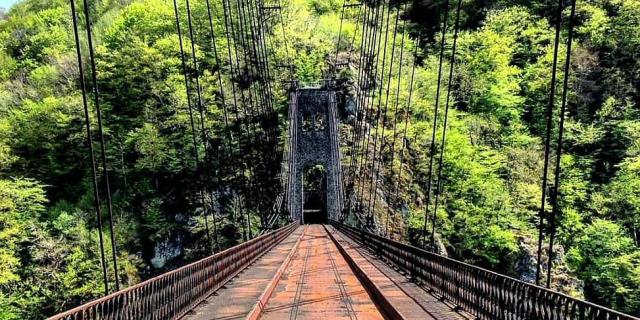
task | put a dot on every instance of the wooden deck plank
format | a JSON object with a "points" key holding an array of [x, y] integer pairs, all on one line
{"points": [[238, 297], [318, 284], [307, 277]]}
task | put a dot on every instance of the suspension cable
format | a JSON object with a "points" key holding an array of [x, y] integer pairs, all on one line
{"points": [[286, 45], [556, 188], [228, 35], [94, 175], [103, 152], [243, 101], [261, 26], [228, 135], [335, 60], [266, 40], [353, 39], [358, 86], [254, 100], [370, 76], [547, 146], [261, 65], [358, 96], [432, 147], [368, 58], [348, 183], [226, 13], [250, 60], [249, 109], [265, 89], [227, 132], [366, 84], [372, 191], [232, 31], [384, 117], [334, 68], [191, 119], [407, 115], [291, 138], [444, 125], [263, 60], [255, 95], [358, 124], [379, 14], [372, 36], [253, 57], [203, 131], [395, 111], [214, 48]]}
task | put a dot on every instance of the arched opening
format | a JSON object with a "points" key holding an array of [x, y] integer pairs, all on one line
{"points": [[314, 189]]}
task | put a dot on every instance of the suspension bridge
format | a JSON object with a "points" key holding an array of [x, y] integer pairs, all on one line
{"points": [[322, 253]]}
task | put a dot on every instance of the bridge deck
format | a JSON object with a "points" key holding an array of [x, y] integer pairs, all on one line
{"points": [[306, 276], [318, 284]]}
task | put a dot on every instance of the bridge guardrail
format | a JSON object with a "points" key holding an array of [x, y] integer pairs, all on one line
{"points": [[173, 294], [483, 293]]}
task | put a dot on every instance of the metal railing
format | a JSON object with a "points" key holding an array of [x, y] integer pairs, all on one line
{"points": [[173, 294], [483, 293]]}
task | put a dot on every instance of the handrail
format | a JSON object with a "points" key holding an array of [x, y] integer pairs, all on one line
{"points": [[483, 293], [173, 294]]}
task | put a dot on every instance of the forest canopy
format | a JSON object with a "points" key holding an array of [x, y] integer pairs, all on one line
{"points": [[492, 162]]}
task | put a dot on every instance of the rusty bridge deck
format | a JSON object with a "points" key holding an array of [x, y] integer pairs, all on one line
{"points": [[334, 272], [319, 273]]}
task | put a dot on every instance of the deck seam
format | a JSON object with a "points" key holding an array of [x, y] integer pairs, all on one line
{"points": [[299, 287], [384, 304], [343, 291], [258, 308]]}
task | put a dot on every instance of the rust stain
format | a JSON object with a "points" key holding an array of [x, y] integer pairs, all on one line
{"points": [[318, 284], [236, 299]]}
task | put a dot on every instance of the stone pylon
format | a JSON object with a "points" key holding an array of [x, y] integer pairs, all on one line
{"points": [[313, 140]]}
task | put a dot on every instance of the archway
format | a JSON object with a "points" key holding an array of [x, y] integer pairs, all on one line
{"points": [[315, 195]]}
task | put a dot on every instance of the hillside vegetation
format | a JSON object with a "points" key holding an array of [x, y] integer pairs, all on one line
{"points": [[492, 164]]}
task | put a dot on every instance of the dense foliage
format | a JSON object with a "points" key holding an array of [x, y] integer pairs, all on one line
{"points": [[49, 256], [50, 244], [493, 158]]}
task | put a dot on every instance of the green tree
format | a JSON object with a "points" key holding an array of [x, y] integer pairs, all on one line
{"points": [[609, 262]]}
